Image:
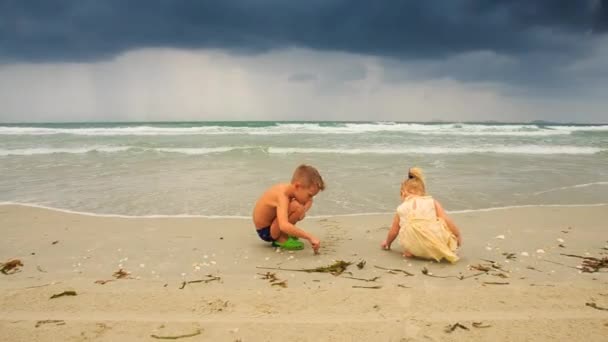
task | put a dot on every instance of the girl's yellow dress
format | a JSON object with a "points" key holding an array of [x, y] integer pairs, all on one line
{"points": [[422, 233]]}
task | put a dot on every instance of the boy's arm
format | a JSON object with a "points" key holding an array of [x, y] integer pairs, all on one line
{"points": [[392, 233], [308, 205], [306, 208], [283, 219], [451, 225]]}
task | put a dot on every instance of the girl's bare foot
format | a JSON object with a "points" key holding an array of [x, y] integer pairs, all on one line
{"points": [[408, 255]]}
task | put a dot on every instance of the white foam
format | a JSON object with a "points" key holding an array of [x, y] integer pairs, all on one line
{"points": [[528, 206], [311, 128], [32, 205], [456, 129], [113, 131], [584, 185], [49, 150], [595, 128], [465, 211], [84, 213], [114, 149], [524, 149], [197, 151]]}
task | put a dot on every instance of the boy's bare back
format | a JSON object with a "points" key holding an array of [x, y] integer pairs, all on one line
{"points": [[265, 210]]}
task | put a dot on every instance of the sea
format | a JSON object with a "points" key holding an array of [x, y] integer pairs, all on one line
{"points": [[219, 169]]}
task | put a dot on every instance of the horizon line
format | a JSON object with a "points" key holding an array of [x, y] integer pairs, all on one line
{"points": [[531, 122]]}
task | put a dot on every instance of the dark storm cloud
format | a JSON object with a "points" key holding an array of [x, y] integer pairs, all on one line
{"points": [[60, 30]]}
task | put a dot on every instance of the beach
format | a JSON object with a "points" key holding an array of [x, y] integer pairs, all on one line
{"points": [[166, 168], [206, 279]]}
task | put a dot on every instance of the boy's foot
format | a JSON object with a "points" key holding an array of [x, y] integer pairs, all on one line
{"points": [[291, 244]]}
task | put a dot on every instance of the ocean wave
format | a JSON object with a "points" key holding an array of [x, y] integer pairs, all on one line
{"points": [[113, 149], [197, 150], [115, 131], [76, 150], [528, 149], [309, 128], [595, 128]]}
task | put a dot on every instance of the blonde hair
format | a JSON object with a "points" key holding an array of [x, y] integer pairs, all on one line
{"points": [[414, 183], [308, 175]]}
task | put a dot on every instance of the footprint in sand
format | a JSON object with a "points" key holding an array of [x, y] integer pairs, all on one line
{"points": [[213, 306]]}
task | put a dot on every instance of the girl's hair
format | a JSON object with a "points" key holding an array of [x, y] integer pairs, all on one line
{"points": [[414, 183]]}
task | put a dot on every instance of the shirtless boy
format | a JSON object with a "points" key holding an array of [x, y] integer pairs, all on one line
{"points": [[282, 205]]}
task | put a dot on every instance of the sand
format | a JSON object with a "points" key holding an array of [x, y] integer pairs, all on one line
{"points": [[541, 296]]}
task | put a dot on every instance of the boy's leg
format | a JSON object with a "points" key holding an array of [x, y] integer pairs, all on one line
{"points": [[296, 214]]}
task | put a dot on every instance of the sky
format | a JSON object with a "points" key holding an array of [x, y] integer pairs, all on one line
{"points": [[357, 60]]}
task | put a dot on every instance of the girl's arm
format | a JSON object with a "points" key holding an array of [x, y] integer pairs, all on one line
{"points": [[451, 225], [392, 233]]}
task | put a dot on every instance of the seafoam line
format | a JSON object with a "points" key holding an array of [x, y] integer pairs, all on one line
{"points": [[465, 211], [584, 185]]}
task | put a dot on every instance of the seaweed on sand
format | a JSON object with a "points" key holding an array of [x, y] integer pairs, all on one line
{"points": [[480, 325], [336, 268], [210, 278], [175, 337], [64, 293], [367, 287], [273, 280], [451, 328], [120, 274], [395, 270], [426, 272], [593, 305], [590, 264], [11, 266]]}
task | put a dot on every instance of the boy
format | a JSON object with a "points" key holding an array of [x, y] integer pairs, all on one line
{"points": [[281, 206]]}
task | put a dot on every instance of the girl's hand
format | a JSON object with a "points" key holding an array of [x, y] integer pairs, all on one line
{"points": [[386, 245]]}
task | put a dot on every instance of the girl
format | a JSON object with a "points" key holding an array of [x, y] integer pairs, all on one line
{"points": [[424, 229]]}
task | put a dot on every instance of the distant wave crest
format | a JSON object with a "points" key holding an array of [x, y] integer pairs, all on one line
{"points": [[49, 150], [525, 149], [310, 128], [114, 149], [531, 149]]}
